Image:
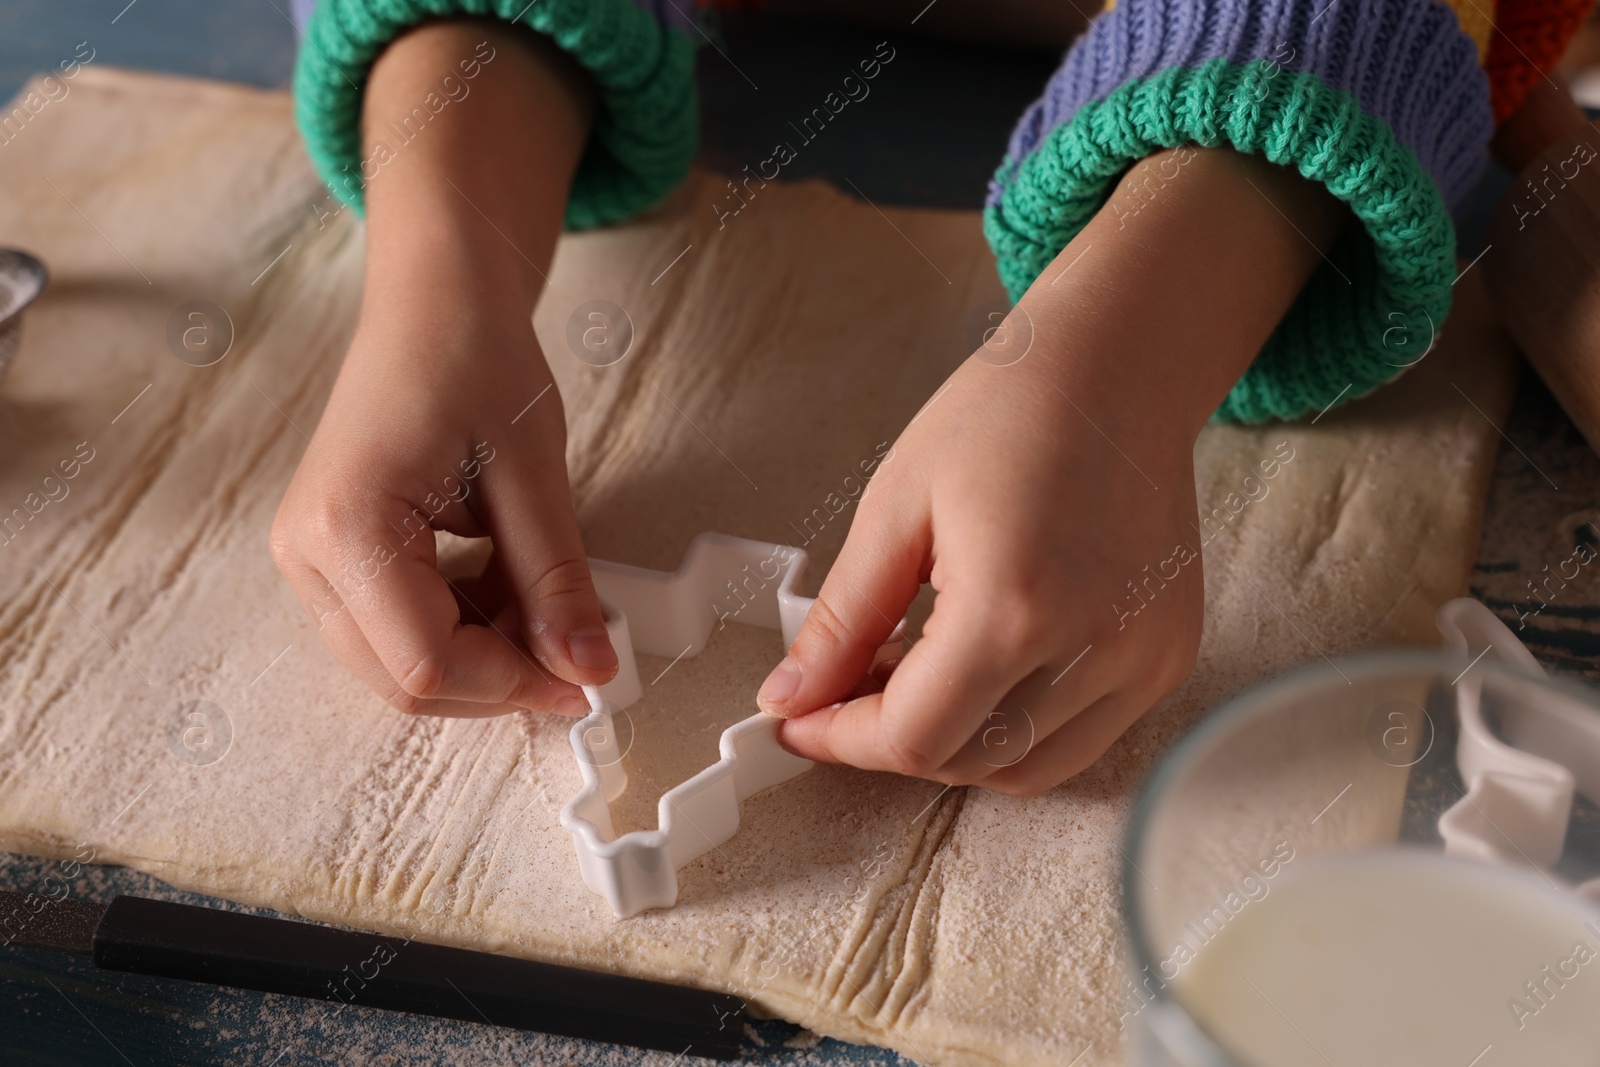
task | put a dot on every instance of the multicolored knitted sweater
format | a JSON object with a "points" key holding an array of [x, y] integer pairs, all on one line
{"points": [[637, 51], [1389, 104]]}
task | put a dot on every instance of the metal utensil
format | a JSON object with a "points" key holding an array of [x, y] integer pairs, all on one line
{"points": [[22, 279]]}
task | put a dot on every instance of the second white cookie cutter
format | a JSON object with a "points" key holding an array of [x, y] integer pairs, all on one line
{"points": [[662, 613], [1520, 789]]}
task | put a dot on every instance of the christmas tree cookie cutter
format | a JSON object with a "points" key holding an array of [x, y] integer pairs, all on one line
{"points": [[722, 579], [1522, 771]]}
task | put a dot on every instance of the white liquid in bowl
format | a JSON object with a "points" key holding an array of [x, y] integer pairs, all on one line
{"points": [[1404, 957]]}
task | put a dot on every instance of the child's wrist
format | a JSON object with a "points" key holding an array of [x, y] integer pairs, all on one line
{"points": [[1546, 116], [472, 203], [441, 256], [1154, 314]]}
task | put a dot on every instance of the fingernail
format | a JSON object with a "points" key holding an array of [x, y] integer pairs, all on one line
{"points": [[590, 647], [781, 684], [572, 707]]}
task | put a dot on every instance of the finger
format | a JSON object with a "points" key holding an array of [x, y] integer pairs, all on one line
{"points": [[934, 701], [1034, 709], [407, 614], [851, 732], [1080, 740], [528, 504], [1070, 750], [976, 646], [1007, 734], [863, 598], [344, 638]]}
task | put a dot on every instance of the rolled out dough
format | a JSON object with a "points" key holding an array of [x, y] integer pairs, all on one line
{"points": [[957, 926]]}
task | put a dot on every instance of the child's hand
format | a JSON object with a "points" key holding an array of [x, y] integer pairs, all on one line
{"points": [[1032, 494], [445, 415], [1031, 526], [418, 435]]}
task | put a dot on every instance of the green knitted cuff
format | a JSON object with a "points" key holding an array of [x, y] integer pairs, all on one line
{"points": [[1351, 328], [644, 133]]}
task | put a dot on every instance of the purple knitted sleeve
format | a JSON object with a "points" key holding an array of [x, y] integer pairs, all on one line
{"points": [[1383, 102], [1406, 62]]}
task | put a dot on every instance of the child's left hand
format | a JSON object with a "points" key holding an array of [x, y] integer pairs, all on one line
{"points": [[1037, 495], [1030, 525]]}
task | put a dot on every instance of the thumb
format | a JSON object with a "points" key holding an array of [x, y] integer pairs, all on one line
{"points": [[530, 516], [862, 600]]}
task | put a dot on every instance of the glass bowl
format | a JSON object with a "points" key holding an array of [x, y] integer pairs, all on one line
{"points": [[22, 279], [1290, 898]]}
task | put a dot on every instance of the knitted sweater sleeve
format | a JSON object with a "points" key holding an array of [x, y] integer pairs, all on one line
{"points": [[637, 51], [1383, 102], [1530, 36]]}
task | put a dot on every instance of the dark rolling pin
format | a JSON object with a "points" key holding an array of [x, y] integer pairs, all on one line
{"points": [[368, 970]]}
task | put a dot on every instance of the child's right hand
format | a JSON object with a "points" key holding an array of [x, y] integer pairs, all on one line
{"points": [[419, 434], [445, 415]]}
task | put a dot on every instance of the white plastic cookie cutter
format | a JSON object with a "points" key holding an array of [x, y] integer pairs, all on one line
{"points": [[672, 614], [1519, 790]]}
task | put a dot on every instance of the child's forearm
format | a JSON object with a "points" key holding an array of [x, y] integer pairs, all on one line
{"points": [[1542, 247], [467, 178], [1547, 115], [1183, 275]]}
